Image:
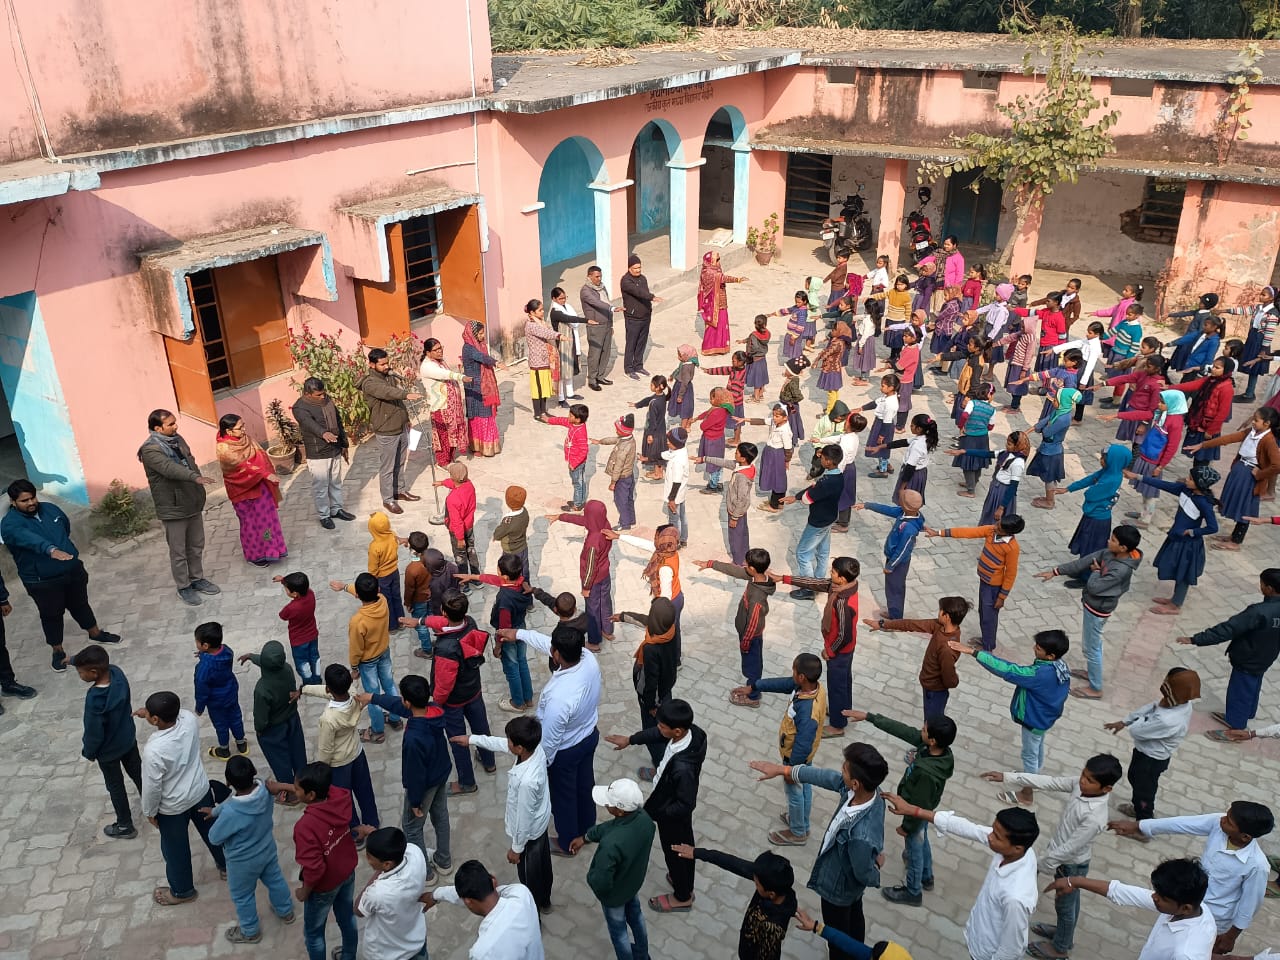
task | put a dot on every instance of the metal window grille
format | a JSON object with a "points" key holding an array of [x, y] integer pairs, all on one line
{"points": [[422, 267], [204, 302]]}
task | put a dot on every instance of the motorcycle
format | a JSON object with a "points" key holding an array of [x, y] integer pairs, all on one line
{"points": [[919, 229], [850, 231]]}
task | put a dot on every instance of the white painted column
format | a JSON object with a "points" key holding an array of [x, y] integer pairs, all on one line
{"points": [[741, 169], [681, 233], [604, 222]]}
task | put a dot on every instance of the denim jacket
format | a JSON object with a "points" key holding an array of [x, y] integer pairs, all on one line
{"points": [[846, 868]]}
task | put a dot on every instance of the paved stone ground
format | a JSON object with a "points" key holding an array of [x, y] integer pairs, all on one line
{"points": [[66, 891]]}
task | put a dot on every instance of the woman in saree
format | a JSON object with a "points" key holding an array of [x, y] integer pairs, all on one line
{"points": [[449, 435], [254, 491], [481, 391], [713, 304]]}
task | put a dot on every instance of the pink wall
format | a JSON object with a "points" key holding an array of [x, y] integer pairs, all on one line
{"points": [[1228, 238], [119, 74]]}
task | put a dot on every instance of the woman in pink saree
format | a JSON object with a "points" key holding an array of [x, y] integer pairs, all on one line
{"points": [[713, 304]]}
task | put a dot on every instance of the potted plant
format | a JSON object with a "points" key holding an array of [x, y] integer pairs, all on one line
{"points": [[764, 240], [286, 438]]}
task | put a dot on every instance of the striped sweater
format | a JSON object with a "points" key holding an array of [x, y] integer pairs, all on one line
{"points": [[998, 563], [737, 380]]}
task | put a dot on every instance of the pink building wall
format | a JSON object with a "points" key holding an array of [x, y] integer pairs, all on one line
{"points": [[110, 74]]}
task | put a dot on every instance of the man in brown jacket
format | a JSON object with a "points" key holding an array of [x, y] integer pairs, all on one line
{"points": [[177, 491], [938, 676], [386, 393]]}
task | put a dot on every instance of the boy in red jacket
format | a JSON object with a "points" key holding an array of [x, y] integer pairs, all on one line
{"points": [[593, 568], [575, 452], [304, 635], [460, 514], [327, 855]]}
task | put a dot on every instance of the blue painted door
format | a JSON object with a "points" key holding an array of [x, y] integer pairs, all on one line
{"points": [[972, 217], [30, 382]]}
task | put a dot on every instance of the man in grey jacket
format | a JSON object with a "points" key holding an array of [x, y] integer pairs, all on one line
{"points": [[177, 491], [325, 440], [386, 393], [598, 312]]}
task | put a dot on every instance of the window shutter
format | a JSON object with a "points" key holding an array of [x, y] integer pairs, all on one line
{"points": [[383, 308], [191, 378], [253, 322]]}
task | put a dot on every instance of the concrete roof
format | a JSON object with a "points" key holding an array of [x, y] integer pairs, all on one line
{"points": [[38, 178], [540, 83]]}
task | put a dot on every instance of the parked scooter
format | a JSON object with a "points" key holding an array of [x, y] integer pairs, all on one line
{"points": [[919, 229], [850, 231]]}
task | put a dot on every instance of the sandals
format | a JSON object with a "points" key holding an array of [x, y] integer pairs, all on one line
{"points": [[664, 904], [785, 838], [1038, 950], [165, 898], [457, 789], [236, 935], [1166, 610], [741, 700], [1085, 693], [1012, 798], [368, 736], [1219, 736]]}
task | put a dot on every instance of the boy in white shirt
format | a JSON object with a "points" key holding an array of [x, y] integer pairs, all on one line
{"points": [[1157, 730], [1236, 865], [1184, 931], [1071, 847], [1091, 351], [528, 813], [676, 480], [395, 927], [1001, 916], [510, 929]]}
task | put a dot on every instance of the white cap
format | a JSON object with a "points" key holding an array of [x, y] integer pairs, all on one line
{"points": [[621, 794]]}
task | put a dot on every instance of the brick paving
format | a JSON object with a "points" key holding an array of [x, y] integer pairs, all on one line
{"points": [[66, 891]]}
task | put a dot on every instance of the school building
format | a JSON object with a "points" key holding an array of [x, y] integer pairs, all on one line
{"points": [[182, 186]]}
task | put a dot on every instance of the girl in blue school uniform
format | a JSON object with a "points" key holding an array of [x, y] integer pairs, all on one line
{"points": [[914, 474], [1101, 491], [1255, 361], [1181, 556], [681, 396], [775, 457], [1010, 468], [975, 435], [1182, 346], [883, 424], [1255, 465], [1047, 464], [798, 327], [757, 350], [792, 393]]}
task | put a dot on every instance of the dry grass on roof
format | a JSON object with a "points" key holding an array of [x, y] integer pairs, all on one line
{"points": [[821, 40]]}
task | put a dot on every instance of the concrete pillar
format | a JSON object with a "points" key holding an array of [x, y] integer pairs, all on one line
{"points": [[893, 202], [685, 181], [611, 245], [741, 176], [1023, 258]]}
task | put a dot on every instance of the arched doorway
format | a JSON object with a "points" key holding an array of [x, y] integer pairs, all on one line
{"points": [[722, 199], [656, 206], [573, 224]]}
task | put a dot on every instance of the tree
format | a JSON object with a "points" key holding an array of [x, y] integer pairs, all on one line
{"points": [[1051, 136]]}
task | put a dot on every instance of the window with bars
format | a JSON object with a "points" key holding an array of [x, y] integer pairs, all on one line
{"points": [[422, 268], [1161, 210], [204, 304]]}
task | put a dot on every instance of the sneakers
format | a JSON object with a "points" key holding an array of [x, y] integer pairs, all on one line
{"points": [[800, 593], [15, 689], [236, 935], [117, 831], [220, 753], [207, 586], [901, 895], [242, 747], [190, 596], [506, 704], [59, 661], [105, 637]]}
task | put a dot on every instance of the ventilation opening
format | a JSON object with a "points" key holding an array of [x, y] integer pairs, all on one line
{"points": [[1132, 87], [842, 74], [981, 80]]}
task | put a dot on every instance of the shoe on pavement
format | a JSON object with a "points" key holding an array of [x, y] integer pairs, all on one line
{"points": [[642, 371], [59, 661], [105, 636], [902, 895], [206, 586], [800, 593], [1128, 810], [190, 596], [343, 515], [926, 884], [242, 747], [407, 496], [236, 935], [327, 523], [220, 753], [785, 838], [442, 871], [117, 831], [605, 383], [15, 689], [506, 704], [593, 386], [392, 507]]}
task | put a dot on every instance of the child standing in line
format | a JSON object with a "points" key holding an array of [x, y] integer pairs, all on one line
{"points": [[510, 607], [908, 371], [792, 394], [848, 439], [369, 648], [994, 328], [242, 827], [831, 362], [109, 737], [975, 434], [1254, 467], [384, 564], [914, 474], [793, 341], [338, 746], [424, 768], [1010, 467], [1208, 410], [757, 350], [753, 611], [736, 386], [1071, 847], [930, 764], [1039, 694], [1193, 352], [655, 425], [997, 568], [417, 588], [512, 531], [1101, 490], [678, 387], [713, 423], [772, 905], [1104, 576], [883, 424], [738, 498], [460, 513], [444, 577], [621, 470], [938, 676], [575, 453], [898, 546], [1148, 349], [218, 690], [395, 923], [1126, 335], [1091, 353], [863, 355], [971, 289], [676, 481], [799, 735], [1181, 556], [528, 811], [304, 635], [838, 278], [595, 579], [1021, 346], [775, 458], [275, 712], [1157, 729], [1019, 296], [1130, 294], [1156, 451], [1047, 464], [1139, 404]]}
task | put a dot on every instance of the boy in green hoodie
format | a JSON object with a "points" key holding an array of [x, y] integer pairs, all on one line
{"points": [[275, 714], [930, 765]]}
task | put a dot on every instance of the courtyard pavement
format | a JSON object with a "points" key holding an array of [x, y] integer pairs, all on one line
{"points": [[67, 891]]}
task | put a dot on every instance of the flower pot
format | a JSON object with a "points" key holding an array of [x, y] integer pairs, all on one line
{"points": [[281, 459], [763, 257]]}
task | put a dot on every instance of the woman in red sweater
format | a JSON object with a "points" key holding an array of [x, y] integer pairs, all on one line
{"points": [[1209, 408]]}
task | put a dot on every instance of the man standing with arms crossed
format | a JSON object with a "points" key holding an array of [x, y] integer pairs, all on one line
{"points": [[599, 315]]}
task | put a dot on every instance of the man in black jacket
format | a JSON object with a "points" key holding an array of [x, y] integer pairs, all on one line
{"points": [[325, 440], [675, 794], [637, 310], [1253, 643]]}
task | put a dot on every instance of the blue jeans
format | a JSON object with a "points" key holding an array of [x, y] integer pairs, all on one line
{"points": [[306, 660], [1243, 690], [1032, 751], [618, 920], [918, 855], [285, 748], [988, 615], [418, 611], [242, 884], [799, 800], [752, 663], [678, 518], [1067, 907], [175, 845], [389, 587], [935, 702], [354, 776], [1091, 640], [315, 914], [515, 666], [813, 550], [578, 477], [456, 721], [375, 677]]}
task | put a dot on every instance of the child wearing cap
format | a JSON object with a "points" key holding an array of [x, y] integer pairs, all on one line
{"points": [[621, 469], [618, 868], [512, 531], [898, 546]]}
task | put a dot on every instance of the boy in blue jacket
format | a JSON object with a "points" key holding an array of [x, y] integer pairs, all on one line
{"points": [[1040, 692], [110, 739], [424, 767], [218, 690], [242, 825], [1202, 347], [898, 546]]}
